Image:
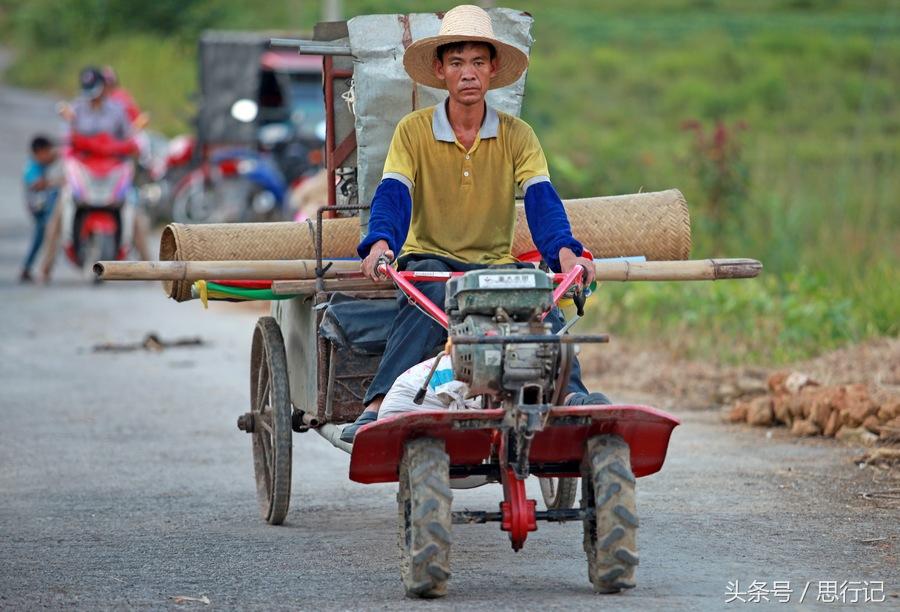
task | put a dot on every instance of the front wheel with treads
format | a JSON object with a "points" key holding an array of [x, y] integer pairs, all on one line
{"points": [[424, 512], [609, 536]]}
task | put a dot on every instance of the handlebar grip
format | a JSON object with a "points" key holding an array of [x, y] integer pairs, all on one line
{"points": [[579, 299]]}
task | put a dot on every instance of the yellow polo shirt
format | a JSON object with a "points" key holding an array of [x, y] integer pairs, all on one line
{"points": [[464, 201]]}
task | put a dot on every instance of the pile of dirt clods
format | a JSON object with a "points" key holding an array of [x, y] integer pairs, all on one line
{"points": [[855, 413]]}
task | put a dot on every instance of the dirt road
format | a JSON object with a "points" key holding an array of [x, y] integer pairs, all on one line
{"points": [[124, 482]]}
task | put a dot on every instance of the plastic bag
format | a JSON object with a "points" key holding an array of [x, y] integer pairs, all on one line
{"points": [[443, 392]]}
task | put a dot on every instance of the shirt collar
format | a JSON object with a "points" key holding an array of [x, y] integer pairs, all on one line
{"points": [[440, 124]]}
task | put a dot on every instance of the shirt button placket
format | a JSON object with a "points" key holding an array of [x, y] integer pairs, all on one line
{"points": [[467, 170]]}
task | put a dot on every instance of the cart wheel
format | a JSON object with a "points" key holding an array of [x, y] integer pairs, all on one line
{"points": [[424, 504], [609, 538], [559, 493], [270, 399]]}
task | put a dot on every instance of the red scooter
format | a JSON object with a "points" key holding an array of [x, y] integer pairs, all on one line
{"points": [[99, 181]]}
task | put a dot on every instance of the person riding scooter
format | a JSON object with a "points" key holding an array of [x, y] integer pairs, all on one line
{"points": [[100, 137]]}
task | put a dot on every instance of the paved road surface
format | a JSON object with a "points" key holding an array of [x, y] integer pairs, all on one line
{"points": [[124, 483]]}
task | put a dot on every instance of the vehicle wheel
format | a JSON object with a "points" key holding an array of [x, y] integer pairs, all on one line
{"points": [[262, 205], [270, 400], [609, 537], [559, 493], [193, 201], [108, 250], [424, 504]]}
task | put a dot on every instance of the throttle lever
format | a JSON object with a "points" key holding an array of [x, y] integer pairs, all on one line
{"points": [[579, 298]]}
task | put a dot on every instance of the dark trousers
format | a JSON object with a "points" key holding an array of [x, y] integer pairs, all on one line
{"points": [[41, 218], [415, 337]]}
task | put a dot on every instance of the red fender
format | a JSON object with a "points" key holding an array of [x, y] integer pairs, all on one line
{"points": [[98, 222]]}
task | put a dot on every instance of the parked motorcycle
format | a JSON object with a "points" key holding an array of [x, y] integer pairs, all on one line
{"points": [[229, 186], [99, 179], [247, 185]]}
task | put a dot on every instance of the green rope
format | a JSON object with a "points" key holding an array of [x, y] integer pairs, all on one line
{"points": [[247, 294]]}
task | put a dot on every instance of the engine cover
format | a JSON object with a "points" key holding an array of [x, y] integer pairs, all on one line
{"points": [[502, 303]]}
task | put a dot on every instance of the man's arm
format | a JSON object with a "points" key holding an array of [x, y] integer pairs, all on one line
{"points": [[548, 223], [389, 220], [550, 229]]}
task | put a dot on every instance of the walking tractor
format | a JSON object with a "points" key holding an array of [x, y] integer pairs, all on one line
{"points": [[313, 359]]}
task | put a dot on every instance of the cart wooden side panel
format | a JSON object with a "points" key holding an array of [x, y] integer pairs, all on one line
{"points": [[297, 319], [326, 380]]}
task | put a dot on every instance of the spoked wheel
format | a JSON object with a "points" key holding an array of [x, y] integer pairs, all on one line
{"points": [[424, 504], [559, 493], [609, 537], [194, 201], [271, 420]]}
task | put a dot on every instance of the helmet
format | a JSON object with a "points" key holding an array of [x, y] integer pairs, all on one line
{"points": [[92, 82]]}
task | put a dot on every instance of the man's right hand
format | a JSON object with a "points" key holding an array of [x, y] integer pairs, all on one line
{"points": [[370, 263]]}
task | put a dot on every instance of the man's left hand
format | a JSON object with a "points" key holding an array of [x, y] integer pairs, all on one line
{"points": [[568, 260]]}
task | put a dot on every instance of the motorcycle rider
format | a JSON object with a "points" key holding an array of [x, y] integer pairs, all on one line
{"points": [[90, 114], [139, 120], [117, 93]]}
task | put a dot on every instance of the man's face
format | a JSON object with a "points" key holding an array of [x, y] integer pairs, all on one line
{"points": [[467, 72]]}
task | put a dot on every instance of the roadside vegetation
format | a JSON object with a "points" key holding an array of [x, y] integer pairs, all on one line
{"points": [[780, 122]]}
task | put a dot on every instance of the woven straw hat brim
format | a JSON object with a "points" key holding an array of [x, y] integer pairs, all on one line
{"points": [[419, 60]]}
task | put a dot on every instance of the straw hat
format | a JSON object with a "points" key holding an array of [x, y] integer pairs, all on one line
{"points": [[464, 23]]}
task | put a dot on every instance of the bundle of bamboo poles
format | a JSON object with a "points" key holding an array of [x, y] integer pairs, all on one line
{"points": [[299, 276]]}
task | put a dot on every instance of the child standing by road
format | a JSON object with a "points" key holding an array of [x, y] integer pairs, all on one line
{"points": [[42, 182]]}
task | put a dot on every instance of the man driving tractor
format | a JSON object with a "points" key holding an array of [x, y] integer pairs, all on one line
{"points": [[446, 201]]}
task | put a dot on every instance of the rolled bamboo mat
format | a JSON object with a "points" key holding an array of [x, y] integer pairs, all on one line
{"points": [[249, 241], [655, 225]]}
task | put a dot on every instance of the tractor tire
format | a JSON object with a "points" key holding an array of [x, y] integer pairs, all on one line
{"points": [[559, 493], [424, 512], [609, 537]]}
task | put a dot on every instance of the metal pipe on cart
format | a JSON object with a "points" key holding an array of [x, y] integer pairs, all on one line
{"points": [[420, 394], [304, 421], [312, 47]]}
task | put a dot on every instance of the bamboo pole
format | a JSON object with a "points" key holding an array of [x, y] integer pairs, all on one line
{"points": [[615, 271], [298, 276], [213, 270], [691, 269]]}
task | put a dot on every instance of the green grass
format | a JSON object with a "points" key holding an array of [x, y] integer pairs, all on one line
{"points": [[773, 320], [816, 82]]}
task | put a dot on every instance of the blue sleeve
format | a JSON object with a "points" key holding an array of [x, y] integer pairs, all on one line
{"points": [[389, 217], [32, 173], [548, 223]]}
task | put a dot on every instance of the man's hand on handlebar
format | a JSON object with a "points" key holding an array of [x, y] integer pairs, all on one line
{"points": [[568, 260], [369, 265]]}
